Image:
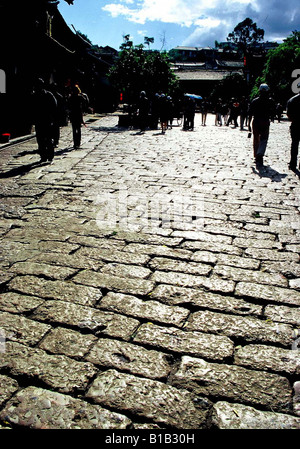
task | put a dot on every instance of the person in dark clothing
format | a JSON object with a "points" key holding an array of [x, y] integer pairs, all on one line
{"points": [[59, 118], [243, 113], [163, 112], [44, 108], [189, 113], [76, 115], [261, 110], [144, 108], [155, 111], [293, 113], [279, 111]]}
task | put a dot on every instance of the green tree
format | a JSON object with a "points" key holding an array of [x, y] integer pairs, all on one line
{"points": [[232, 86], [246, 35], [280, 65], [138, 69]]}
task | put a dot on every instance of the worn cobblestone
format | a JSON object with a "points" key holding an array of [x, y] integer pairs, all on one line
{"points": [[186, 318], [235, 383], [238, 416], [148, 398]]}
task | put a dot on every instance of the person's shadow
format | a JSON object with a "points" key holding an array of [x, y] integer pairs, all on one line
{"points": [[19, 171], [265, 171], [23, 169]]}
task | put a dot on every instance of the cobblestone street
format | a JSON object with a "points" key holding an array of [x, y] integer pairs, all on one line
{"points": [[150, 281]]}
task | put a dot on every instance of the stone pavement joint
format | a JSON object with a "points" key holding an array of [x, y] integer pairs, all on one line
{"points": [[150, 281]]}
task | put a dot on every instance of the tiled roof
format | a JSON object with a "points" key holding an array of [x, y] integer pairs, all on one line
{"points": [[203, 75]]}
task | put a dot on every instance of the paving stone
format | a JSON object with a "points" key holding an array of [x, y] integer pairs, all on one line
{"points": [[63, 290], [271, 255], [203, 236], [247, 328], [269, 358], [69, 260], [133, 237], [130, 358], [86, 318], [40, 269], [150, 399], [296, 398], [257, 243], [268, 293], [110, 255], [8, 387], [288, 269], [21, 329], [147, 310], [122, 270], [164, 264], [157, 250], [240, 274], [187, 342], [171, 294], [37, 408], [213, 247], [16, 303], [67, 342], [132, 286], [56, 371], [213, 283], [236, 261], [283, 314], [295, 283], [204, 256], [238, 416], [234, 383]]}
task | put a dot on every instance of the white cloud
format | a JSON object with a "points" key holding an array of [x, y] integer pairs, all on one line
{"points": [[178, 12], [210, 20]]}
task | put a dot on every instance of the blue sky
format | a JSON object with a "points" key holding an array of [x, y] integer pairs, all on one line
{"points": [[178, 22]]}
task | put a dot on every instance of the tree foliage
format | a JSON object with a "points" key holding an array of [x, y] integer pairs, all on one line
{"points": [[280, 65], [232, 86], [245, 35], [138, 69]]}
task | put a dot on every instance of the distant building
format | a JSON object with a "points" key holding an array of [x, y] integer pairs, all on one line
{"points": [[200, 69], [37, 42]]}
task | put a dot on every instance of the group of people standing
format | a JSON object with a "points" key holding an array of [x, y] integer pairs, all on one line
{"points": [[257, 115], [51, 110]]}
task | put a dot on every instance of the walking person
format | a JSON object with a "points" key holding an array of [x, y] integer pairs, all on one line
{"points": [[261, 110], [218, 112], [143, 108], [204, 110], [293, 113], [44, 111], [60, 113], [163, 113], [243, 113], [76, 114]]}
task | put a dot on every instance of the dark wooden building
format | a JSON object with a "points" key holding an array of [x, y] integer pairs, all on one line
{"points": [[35, 41]]}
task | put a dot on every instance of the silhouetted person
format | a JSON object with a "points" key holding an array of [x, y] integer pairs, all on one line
{"points": [[76, 114], [243, 113], [60, 114], [293, 113], [163, 112], [262, 110], [44, 109], [189, 113], [143, 108]]}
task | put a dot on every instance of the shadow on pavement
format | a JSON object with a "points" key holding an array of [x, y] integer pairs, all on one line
{"points": [[108, 129], [265, 171], [23, 169], [17, 171]]}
